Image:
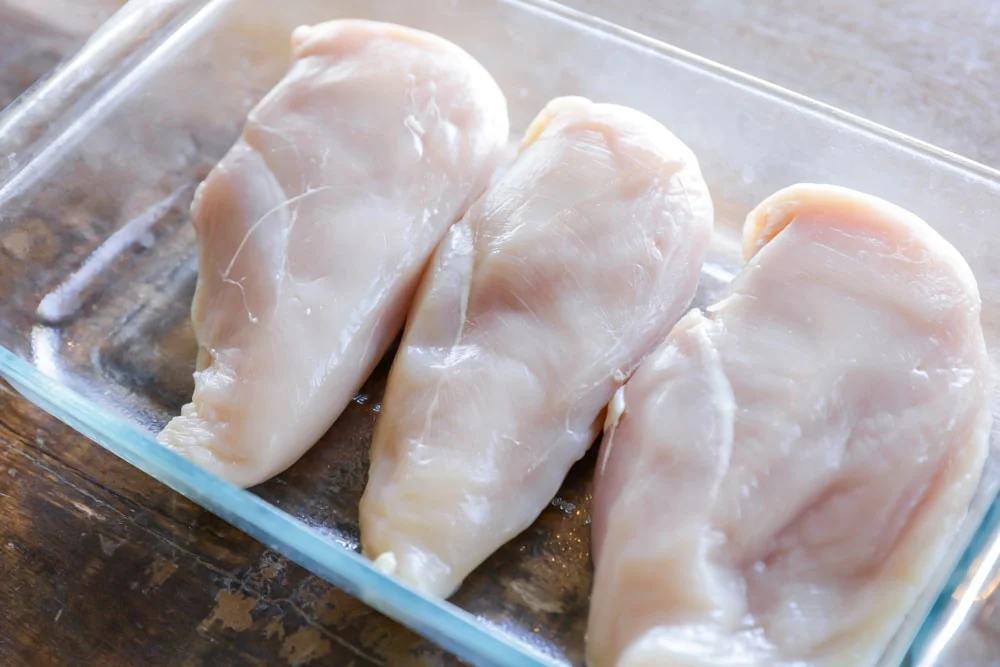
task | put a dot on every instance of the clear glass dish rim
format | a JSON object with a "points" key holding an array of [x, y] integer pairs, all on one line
{"points": [[440, 621], [450, 626]]}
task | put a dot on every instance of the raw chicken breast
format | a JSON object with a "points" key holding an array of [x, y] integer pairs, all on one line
{"points": [[538, 305], [314, 230], [789, 466]]}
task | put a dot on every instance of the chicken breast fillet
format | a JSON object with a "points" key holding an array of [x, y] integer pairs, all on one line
{"points": [[537, 306], [314, 229], [790, 466]]}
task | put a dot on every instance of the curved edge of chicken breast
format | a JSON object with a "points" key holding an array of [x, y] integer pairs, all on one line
{"points": [[907, 568], [248, 178], [775, 213], [426, 551]]}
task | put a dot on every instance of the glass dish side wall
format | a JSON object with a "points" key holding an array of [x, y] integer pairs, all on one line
{"points": [[38, 34], [99, 265]]}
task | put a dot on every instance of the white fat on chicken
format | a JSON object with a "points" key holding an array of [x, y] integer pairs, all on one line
{"points": [[314, 230], [790, 466], [535, 309]]}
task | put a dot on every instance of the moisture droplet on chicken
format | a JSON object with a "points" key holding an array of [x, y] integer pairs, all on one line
{"points": [[537, 306], [313, 231], [790, 466]]}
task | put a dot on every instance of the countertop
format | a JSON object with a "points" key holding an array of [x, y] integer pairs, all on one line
{"points": [[100, 564]]}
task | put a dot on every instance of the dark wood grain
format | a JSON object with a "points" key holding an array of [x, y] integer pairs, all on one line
{"points": [[100, 564]]}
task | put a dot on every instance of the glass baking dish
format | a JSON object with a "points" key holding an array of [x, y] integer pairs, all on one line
{"points": [[98, 261], [38, 34]]}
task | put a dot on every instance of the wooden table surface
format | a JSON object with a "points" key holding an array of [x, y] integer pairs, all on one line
{"points": [[101, 565]]}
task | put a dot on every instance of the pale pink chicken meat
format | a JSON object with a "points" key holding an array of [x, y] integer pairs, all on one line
{"points": [[535, 309], [780, 478], [314, 229]]}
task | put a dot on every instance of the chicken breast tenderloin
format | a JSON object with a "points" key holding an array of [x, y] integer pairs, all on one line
{"points": [[314, 229], [790, 466], [536, 308]]}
